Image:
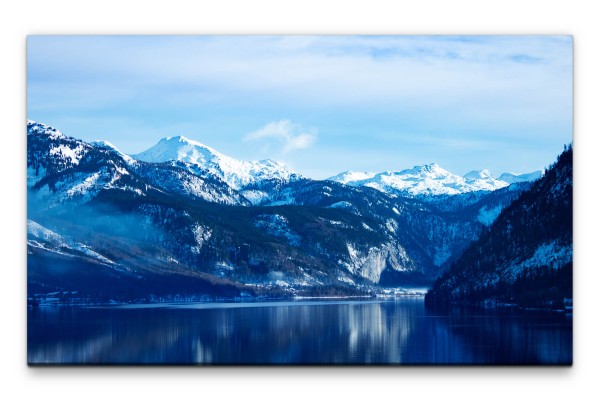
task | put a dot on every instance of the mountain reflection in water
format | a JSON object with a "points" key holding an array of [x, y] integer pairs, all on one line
{"points": [[400, 331]]}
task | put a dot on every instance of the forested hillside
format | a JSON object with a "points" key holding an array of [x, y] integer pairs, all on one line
{"points": [[526, 255]]}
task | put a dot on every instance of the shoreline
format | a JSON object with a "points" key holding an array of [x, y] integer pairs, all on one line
{"points": [[232, 301]]}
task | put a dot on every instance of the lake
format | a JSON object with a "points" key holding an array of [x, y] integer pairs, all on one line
{"points": [[397, 331]]}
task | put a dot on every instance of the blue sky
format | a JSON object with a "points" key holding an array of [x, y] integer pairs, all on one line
{"points": [[320, 104]]}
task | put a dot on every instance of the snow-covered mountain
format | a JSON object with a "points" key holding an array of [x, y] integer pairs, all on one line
{"points": [[64, 169], [351, 177], [203, 160], [479, 175], [430, 180], [426, 180], [175, 208], [528, 177]]}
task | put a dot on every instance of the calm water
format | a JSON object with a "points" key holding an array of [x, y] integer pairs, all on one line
{"points": [[374, 332]]}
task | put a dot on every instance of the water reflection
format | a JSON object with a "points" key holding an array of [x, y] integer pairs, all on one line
{"points": [[395, 332]]}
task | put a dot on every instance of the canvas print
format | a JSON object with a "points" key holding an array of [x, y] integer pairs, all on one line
{"points": [[299, 200]]}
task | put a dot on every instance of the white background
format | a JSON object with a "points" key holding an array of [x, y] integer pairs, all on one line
{"points": [[17, 20]]}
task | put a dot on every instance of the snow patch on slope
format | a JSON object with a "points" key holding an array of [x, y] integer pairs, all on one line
{"points": [[255, 197], [71, 154], [550, 255], [201, 235]]}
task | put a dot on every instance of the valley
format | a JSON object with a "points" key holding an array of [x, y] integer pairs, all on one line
{"points": [[183, 221]]}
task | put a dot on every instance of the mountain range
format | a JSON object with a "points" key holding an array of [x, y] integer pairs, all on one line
{"points": [[183, 220], [431, 180]]}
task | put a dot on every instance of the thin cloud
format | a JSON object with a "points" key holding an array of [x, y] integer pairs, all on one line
{"points": [[361, 91], [290, 135]]}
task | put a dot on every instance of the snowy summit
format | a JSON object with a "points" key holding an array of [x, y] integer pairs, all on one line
{"points": [[201, 158], [511, 178], [428, 179]]}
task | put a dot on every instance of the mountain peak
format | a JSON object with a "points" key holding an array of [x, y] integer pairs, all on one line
{"points": [[271, 162], [34, 127], [351, 176], [101, 144], [104, 145], [479, 175], [181, 139], [512, 178], [202, 159], [179, 148], [429, 170], [431, 166]]}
